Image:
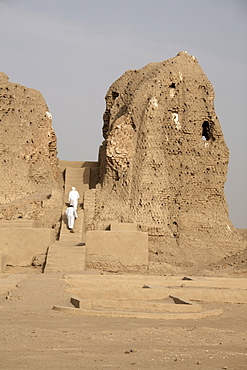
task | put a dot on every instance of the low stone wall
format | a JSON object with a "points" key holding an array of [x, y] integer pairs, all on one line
{"points": [[117, 250], [20, 245]]}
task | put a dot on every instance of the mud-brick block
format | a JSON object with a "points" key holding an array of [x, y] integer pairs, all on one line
{"points": [[126, 248], [86, 177], [123, 226], [2, 262]]}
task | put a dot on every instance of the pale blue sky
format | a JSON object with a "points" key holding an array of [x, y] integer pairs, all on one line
{"points": [[73, 50]]}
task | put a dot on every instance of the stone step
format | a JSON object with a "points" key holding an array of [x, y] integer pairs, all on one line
{"points": [[67, 252], [68, 255], [80, 189], [139, 294], [65, 259], [71, 237], [62, 259], [83, 173], [78, 177], [103, 281], [74, 181], [162, 281], [168, 305], [77, 226], [77, 182], [121, 293], [148, 288], [66, 235], [140, 315], [74, 174]]}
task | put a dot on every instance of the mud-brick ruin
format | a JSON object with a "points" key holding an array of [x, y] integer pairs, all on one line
{"points": [[31, 182], [159, 180]]}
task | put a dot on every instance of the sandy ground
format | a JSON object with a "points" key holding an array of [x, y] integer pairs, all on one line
{"points": [[34, 336]]}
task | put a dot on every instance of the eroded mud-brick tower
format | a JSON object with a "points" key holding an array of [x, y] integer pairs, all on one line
{"points": [[31, 182], [163, 163]]}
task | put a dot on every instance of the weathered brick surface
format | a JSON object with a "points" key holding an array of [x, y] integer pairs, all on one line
{"points": [[31, 182], [163, 163], [89, 208]]}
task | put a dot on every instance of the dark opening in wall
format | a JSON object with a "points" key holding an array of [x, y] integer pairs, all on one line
{"points": [[115, 94], [207, 131]]}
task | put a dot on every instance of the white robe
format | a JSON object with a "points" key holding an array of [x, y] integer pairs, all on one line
{"points": [[71, 214], [73, 198]]}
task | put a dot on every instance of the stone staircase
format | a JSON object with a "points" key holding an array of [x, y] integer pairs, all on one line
{"points": [[78, 235], [68, 254], [66, 257], [78, 177]]}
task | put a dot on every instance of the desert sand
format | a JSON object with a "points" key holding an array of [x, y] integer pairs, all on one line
{"points": [[34, 336]]}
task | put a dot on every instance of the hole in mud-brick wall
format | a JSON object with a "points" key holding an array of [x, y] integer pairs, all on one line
{"points": [[207, 131], [115, 94]]}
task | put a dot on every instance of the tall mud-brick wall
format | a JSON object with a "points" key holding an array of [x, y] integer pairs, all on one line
{"points": [[163, 163], [30, 179]]}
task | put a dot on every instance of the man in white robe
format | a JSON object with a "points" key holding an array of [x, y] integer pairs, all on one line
{"points": [[73, 198], [71, 215]]}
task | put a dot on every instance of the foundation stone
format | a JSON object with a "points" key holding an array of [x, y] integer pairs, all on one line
{"points": [[117, 251]]}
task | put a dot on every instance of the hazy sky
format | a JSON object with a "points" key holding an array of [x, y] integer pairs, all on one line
{"points": [[73, 50]]}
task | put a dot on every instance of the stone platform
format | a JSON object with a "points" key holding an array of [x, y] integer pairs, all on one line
{"points": [[154, 297]]}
